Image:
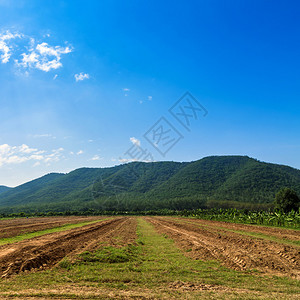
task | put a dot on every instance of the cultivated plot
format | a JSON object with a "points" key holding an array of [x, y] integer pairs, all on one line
{"points": [[148, 258]]}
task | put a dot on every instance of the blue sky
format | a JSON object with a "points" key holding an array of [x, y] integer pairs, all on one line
{"points": [[82, 82]]}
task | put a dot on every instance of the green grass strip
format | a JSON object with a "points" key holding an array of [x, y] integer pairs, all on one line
{"points": [[30, 235]]}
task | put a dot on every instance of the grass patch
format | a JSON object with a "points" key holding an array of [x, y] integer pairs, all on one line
{"points": [[111, 255], [65, 263]]}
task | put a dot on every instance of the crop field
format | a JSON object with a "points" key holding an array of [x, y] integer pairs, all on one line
{"points": [[126, 257]]}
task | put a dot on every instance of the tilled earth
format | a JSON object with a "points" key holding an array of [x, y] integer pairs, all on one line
{"points": [[234, 250], [13, 227], [45, 251], [281, 233], [200, 239]]}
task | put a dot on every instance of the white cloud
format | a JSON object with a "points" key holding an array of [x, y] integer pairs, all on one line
{"points": [[25, 149], [126, 89], [45, 49], [24, 153], [81, 76], [149, 98], [55, 156], [55, 76], [43, 57], [43, 135], [5, 48], [79, 152], [96, 157], [135, 141], [30, 53], [125, 160]]}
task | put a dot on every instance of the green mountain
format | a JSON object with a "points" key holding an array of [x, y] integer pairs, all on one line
{"points": [[28, 192], [226, 181], [4, 189]]}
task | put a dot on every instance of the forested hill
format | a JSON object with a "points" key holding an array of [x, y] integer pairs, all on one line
{"points": [[237, 181], [3, 189]]}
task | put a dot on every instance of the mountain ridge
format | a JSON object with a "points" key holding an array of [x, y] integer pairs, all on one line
{"points": [[4, 188], [210, 181]]}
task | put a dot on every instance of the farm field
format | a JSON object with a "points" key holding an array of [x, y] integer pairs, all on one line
{"points": [[15, 227], [146, 258]]}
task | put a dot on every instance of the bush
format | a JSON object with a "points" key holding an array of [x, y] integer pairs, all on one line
{"points": [[286, 200]]}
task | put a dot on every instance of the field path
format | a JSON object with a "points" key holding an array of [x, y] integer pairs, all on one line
{"points": [[235, 250]]}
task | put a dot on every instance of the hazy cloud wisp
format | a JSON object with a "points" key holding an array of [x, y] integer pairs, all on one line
{"points": [[81, 76], [135, 141]]}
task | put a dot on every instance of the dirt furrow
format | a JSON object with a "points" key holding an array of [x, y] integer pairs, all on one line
{"points": [[45, 251], [120, 235], [281, 233], [35, 220], [20, 226], [234, 250]]}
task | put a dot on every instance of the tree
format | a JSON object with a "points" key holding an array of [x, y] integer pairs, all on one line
{"points": [[286, 200]]}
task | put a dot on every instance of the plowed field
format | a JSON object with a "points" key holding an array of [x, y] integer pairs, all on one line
{"points": [[46, 250], [214, 240], [13, 227], [184, 254]]}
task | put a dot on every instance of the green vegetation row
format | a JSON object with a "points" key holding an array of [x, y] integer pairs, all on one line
{"points": [[276, 218], [267, 218]]}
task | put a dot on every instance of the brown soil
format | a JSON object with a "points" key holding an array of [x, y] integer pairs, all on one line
{"points": [[190, 286], [232, 249], [121, 234], [14, 227], [281, 233], [45, 251]]}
